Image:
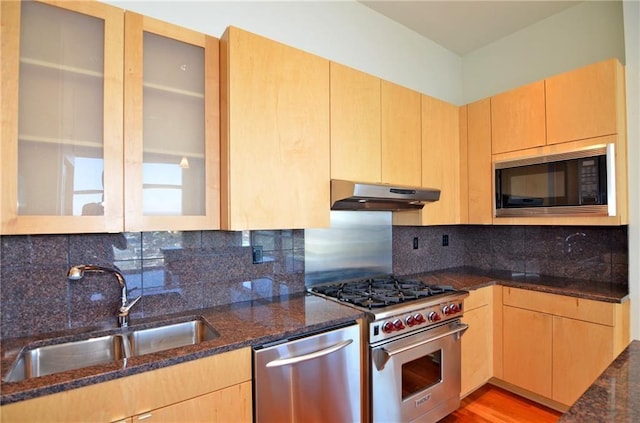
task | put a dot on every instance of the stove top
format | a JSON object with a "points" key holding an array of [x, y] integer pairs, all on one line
{"points": [[380, 292]]}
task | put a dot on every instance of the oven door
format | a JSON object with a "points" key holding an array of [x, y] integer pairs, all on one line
{"points": [[417, 378]]}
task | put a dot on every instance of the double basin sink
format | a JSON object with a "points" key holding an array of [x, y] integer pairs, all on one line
{"points": [[91, 351]]}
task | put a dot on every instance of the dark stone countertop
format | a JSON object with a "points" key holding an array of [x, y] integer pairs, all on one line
{"points": [[471, 278], [239, 325], [615, 395], [261, 321]]}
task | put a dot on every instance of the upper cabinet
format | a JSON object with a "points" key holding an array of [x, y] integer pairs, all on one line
{"points": [[440, 164], [274, 135], [518, 119], [586, 103], [401, 135], [106, 129], [355, 125], [62, 117], [479, 191], [171, 136]]}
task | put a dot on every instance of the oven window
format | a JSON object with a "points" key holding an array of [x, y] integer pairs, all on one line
{"points": [[422, 373]]}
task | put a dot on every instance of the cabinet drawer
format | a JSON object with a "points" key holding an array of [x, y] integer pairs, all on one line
{"points": [[478, 298], [561, 305]]}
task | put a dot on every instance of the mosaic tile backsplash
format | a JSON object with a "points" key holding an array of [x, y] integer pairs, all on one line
{"points": [[181, 271]]}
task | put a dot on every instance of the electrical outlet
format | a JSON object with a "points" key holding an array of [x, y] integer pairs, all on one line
{"points": [[257, 254], [415, 243], [445, 240]]}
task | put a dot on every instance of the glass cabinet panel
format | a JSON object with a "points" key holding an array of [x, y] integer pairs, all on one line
{"points": [[174, 128], [61, 108]]}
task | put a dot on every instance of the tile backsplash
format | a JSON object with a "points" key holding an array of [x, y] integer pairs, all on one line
{"points": [[181, 271]]}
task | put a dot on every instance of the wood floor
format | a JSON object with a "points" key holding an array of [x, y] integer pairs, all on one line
{"points": [[491, 404]]}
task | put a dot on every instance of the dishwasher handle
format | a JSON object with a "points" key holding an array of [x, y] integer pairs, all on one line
{"points": [[310, 356]]}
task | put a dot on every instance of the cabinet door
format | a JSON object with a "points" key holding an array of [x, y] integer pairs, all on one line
{"points": [[585, 103], [355, 125], [581, 351], [401, 133], [171, 127], [477, 349], [275, 135], [232, 404], [527, 337], [480, 183], [61, 117], [441, 160], [518, 119]]}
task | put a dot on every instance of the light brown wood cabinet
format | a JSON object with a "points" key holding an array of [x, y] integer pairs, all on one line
{"points": [[401, 135], [274, 135], [95, 107], [171, 132], [518, 119], [477, 341], [586, 103], [478, 161], [212, 389], [556, 346], [355, 125]]}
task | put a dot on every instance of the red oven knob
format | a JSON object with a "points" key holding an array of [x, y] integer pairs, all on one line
{"points": [[453, 309], [419, 318], [410, 320], [388, 327], [445, 310], [433, 317], [398, 324]]}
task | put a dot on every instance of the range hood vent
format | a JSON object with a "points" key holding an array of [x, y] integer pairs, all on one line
{"points": [[348, 195]]}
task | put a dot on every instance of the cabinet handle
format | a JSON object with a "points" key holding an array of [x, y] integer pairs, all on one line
{"points": [[144, 416]]}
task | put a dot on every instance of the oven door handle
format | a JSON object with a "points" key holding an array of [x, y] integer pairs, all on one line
{"points": [[382, 355], [310, 356]]}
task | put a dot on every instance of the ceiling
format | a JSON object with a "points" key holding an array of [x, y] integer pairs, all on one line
{"points": [[465, 26]]}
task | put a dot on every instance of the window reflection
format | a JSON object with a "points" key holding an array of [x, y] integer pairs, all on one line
{"points": [[162, 189]]}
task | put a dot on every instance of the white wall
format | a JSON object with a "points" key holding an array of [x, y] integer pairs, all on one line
{"points": [[632, 45], [343, 31], [583, 34]]}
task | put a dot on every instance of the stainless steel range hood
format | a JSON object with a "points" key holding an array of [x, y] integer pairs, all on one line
{"points": [[348, 195]]}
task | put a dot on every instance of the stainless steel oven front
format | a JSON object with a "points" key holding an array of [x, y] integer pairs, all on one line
{"points": [[416, 378]]}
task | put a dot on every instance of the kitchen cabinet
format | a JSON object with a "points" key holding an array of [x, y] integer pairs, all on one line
{"points": [[275, 135], [440, 164], [355, 125], [171, 133], [518, 119], [555, 346], [479, 169], [477, 341], [62, 117], [213, 389], [401, 135], [585, 103]]}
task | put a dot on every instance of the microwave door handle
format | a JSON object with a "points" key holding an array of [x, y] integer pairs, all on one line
{"points": [[310, 356], [382, 355]]}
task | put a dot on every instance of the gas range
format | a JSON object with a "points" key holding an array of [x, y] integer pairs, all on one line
{"points": [[396, 307]]}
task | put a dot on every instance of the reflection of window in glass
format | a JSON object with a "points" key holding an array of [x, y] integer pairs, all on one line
{"points": [[88, 190], [162, 189]]}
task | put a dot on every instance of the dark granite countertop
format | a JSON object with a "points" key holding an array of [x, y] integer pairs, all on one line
{"points": [[239, 325], [471, 278], [257, 322], [614, 396]]}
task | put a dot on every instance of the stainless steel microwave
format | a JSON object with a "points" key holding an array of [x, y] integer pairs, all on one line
{"points": [[577, 182]]}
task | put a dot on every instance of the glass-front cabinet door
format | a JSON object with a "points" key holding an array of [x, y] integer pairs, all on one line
{"points": [[171, 127], [62, 117]]}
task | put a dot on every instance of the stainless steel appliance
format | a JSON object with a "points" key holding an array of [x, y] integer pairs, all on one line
{"points": [[576, 182], [349, 195], [315, 378], [413, 345]]}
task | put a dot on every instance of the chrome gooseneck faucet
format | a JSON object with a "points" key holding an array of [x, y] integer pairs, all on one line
{"points": [[77, 272]]}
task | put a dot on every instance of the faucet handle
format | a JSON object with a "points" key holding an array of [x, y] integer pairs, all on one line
{"points": [[124, 310]]}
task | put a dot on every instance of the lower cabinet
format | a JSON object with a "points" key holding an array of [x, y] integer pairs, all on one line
{"points": [[212, 389], [477, 341], [555, 346]]}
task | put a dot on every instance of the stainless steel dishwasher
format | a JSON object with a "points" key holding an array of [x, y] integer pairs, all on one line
{"points": [[315, 378]]}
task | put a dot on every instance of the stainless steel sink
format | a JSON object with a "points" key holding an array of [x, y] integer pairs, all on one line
{"points": [[146, 341], [46, 360], [51, 359]]}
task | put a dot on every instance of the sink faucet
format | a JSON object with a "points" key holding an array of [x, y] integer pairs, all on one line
{"points": [[77, 272]]}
